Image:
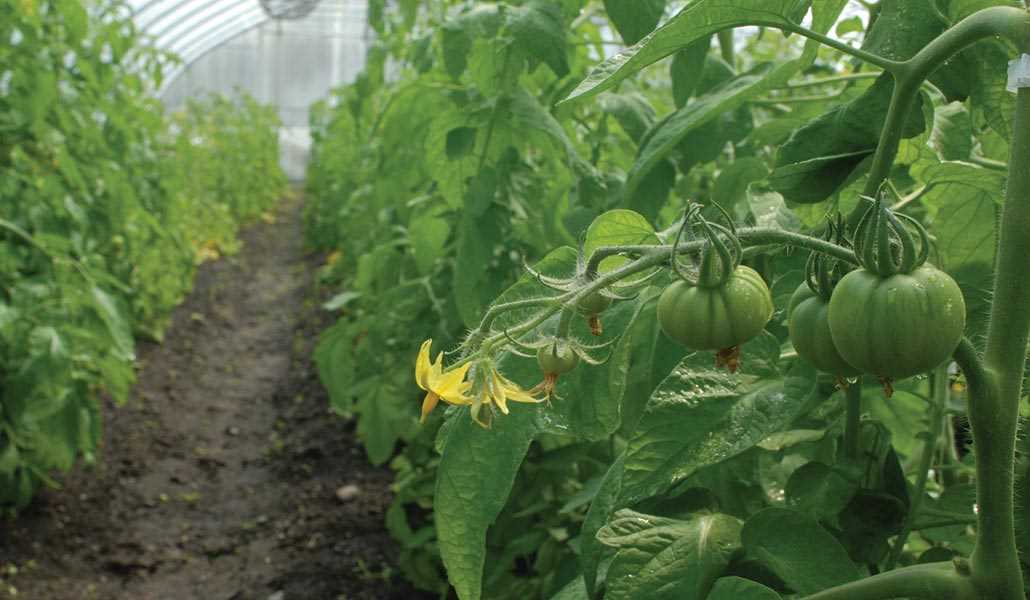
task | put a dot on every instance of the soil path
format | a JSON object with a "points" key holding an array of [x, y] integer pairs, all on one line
{"points": [[225, 477]]}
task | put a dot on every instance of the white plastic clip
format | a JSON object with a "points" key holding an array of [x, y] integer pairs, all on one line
{"points": [[1019, 73]]}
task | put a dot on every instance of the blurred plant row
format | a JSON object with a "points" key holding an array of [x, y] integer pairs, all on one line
{"points": [[107, 205]]}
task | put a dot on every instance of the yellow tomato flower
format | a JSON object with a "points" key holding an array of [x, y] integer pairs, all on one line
{"points": [[448, 386], [496, 389]]}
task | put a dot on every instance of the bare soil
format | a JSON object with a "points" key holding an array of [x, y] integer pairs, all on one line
{"points": [[225, 477]]}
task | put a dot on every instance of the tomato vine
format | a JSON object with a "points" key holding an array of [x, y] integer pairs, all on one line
{"points": [[440, 182]]}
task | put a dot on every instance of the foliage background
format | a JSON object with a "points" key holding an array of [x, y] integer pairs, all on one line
{"points": [[106, 207]]}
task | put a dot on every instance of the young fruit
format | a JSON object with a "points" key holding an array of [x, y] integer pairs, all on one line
{"points": [[557, 359], [897, 326], [810, 333], [591, 306], [717, 317], [896, 316]]}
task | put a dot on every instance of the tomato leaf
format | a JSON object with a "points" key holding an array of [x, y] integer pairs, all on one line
{"points": [[700, 416], [798, 550]]}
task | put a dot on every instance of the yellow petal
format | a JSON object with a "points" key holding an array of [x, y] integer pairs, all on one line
{"points": [[516, 393], [428, 404], [498, 393], [422, 367]]}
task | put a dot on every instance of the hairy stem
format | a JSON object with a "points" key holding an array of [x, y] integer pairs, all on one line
{"points": [[749, 236], [994, 393]]}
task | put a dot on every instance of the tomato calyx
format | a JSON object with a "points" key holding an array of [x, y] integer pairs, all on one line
{"points": [[884, 243]]}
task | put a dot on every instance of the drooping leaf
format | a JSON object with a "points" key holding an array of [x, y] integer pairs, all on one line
{"points": [[668, 558], [538, 29], [475, 476], [698, 19], [671, 130], [634, 19], [801, 553], [686, 70], [737, 588]]}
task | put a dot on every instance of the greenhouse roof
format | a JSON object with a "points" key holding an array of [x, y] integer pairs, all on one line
{"points": [[192, 28]]}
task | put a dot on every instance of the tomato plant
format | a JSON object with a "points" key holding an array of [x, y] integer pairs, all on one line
{"points": [[106, 207], [526, 132]]}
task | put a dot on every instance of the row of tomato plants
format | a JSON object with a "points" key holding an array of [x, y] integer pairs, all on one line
{"points": [[107, 205], [811, 453]]}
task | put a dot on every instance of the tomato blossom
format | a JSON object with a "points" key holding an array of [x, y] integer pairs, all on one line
{"points": [[449, 386], [495, 389]]}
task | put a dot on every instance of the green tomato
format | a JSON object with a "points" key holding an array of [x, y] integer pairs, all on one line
{"points": [[810, 332], [593, 304], [897, 326], [715, 318], [556, 359]]}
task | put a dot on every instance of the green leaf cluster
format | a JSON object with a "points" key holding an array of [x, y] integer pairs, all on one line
{"points": [[106, 207]]}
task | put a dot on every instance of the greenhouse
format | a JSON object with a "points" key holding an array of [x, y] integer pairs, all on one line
{"points": [[514, 299]]}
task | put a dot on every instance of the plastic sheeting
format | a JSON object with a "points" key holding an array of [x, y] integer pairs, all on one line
{"points": [[288, 53]]}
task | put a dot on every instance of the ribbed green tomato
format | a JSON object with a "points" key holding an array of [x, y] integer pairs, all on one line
{"points": [[897, 326], [556, 359], [810, 333], [715, 318]]}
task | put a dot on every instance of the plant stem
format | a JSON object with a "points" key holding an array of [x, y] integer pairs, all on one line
{"points": [[939, 399], [902, 98], [994, 393], [749, 236], [829, 80], [884, 63], [853, 420], [933, 581]]}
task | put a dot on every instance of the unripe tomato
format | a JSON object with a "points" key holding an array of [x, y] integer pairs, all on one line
{"points": [[593, 304], [556, 359], [715, 318], [897, 326], [810, 332]]}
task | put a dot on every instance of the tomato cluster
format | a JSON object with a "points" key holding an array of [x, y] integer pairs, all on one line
{"points": [[894, 317]]}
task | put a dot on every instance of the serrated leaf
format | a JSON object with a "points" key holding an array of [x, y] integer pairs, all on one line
{"points": [[700, 416]]}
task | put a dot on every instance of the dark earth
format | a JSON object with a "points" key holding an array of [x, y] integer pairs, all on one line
{"points": [[225, 477]]}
